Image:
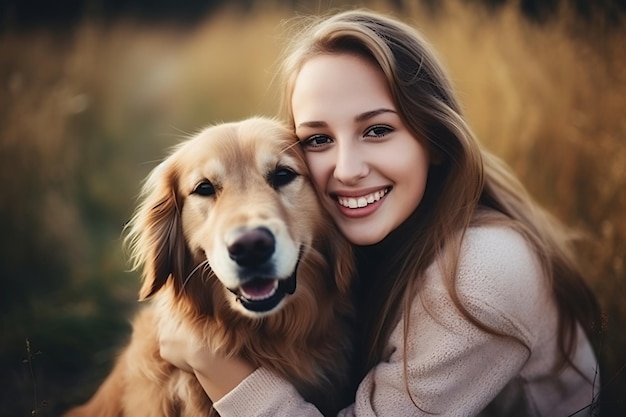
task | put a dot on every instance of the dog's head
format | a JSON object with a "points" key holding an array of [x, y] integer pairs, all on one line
{"points": [[233, 205]]}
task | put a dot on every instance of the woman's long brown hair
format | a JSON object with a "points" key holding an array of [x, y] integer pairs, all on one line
{"points": [[467, 186]]}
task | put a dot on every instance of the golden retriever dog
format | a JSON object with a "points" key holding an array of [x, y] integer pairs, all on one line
{"points": [[236, 250]]}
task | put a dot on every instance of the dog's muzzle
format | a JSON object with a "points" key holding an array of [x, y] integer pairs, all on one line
{"points": [[252, 252], [264, 294]]}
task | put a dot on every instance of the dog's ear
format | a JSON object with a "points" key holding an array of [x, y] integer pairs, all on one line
{"points": [[155, 236]]}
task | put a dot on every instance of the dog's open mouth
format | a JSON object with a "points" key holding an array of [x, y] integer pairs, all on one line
{"points": [[264, 294]]}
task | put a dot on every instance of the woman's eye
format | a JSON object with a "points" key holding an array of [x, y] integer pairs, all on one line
{"points": [[378, 131], [316, 141]]}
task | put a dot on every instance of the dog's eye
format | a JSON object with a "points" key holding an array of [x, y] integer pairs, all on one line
{"points": [[205, 188], [282, 176]]}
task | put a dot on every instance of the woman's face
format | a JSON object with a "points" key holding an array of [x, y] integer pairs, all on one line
{"points": [[369, 171]]}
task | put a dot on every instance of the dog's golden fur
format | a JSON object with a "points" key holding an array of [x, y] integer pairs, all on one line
{"points": [[227, 180]]}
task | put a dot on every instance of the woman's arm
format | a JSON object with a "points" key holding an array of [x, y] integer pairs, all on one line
{"points": [[231, 371], [265, 394], [232, 383], [452, 367], [217, 374]]}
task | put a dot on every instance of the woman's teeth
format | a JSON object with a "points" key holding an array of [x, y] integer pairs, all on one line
{"points": [[358, 202]]}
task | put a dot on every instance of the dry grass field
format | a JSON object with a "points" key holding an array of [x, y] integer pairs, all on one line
{"points": [[84, 115]]}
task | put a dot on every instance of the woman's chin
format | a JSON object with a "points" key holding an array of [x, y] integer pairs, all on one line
{"points": [[363, 235]]}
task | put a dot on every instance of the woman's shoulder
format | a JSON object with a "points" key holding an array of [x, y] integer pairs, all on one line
{"points": [[497, 249], [501, 280], [500, 261]]}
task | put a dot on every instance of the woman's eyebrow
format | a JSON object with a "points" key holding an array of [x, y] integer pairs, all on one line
{"points": [[314, 124], [372, 113], [359, 118]]}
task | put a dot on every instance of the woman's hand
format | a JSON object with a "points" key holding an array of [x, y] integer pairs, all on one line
{"points": [[218, 374]]}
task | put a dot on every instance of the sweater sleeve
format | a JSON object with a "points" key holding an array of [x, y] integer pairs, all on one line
{"points": [[446, 365], [264, 394]]}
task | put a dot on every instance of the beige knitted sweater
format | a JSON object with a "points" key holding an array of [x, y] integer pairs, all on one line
{"points": [[455, 369]]}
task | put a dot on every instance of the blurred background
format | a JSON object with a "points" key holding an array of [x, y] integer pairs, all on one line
{"points": [[94, 92]]}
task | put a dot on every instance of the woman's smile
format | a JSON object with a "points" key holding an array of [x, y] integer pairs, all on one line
{"points": [[358, 205], [363, 200]]}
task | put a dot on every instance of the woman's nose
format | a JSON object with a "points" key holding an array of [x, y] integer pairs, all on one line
{"points": [[350, 165]]}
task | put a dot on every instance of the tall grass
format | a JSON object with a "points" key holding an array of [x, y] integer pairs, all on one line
{"points": [[84, 116]]}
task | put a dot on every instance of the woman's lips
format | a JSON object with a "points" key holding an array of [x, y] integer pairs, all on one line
{"points": [[362, 201], [360, 205]]}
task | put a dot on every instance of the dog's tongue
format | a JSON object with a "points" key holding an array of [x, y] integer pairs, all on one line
{"points": [[259, 288]]}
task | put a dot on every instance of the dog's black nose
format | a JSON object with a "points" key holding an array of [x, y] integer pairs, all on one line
{"points": [[252, 248]]}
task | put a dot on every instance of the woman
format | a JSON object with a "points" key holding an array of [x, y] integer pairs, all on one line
{"points": [[468, 295]]}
